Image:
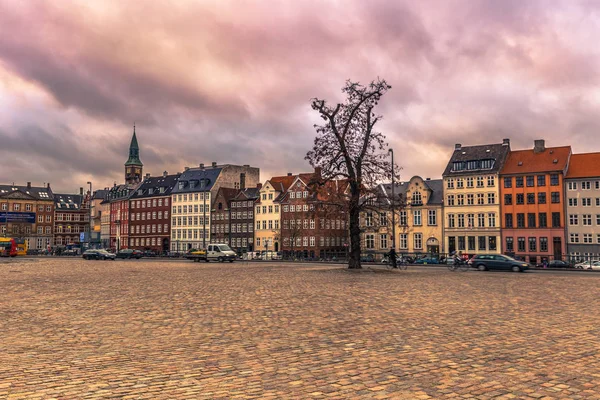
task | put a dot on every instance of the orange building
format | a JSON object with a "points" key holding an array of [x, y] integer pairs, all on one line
{"points": [[532, 195]]}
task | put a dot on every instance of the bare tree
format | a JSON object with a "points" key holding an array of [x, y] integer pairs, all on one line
{"points": [[348, 147]]}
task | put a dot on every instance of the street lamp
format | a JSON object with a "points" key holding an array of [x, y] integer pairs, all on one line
{"points": [[91, 223], [203, 183], [391, 151]]}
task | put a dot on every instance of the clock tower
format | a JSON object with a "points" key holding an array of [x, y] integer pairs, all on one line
{"points": [[133, 166]]}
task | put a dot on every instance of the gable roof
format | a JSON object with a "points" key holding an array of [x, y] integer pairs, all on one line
{"points": [[585, 165], [282, 183], [226, 193], [153, 184], [551, 159], [248, 193], [37, 193], [400, 188], [496, 152]]}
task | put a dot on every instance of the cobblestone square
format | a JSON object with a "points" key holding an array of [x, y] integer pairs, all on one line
{"points": [[149, 329]]}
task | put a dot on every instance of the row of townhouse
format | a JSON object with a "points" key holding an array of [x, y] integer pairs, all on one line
{"points": [[538, 203]]}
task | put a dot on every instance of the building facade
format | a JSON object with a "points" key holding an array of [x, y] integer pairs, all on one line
{"points": [[582, 199], [97, 210], [71, 219], [533, 221], [27, 215], [472, 199], [150, 208], [242, 219], [220, 214], [267, 213], [192, 197]]}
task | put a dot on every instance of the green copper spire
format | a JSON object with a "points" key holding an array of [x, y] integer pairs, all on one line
{"points": [[134, 151]]}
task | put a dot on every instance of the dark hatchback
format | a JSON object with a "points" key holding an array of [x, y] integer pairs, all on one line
{"points": [[486, 262], [129, 253]]}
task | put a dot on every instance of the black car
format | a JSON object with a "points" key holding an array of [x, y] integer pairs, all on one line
{"points": [[130, 253], [485, 262], [93, 254]]}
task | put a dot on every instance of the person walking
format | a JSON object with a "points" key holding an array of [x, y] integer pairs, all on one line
{"points": [[393, 258]]}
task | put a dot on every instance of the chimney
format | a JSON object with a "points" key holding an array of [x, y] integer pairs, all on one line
{"points": [[165, 173], [259, 185], [289, 174], [48, 186], [28, 185], [539, 146], [457, 146], [202, 166], [187, 168], [247, 165], [81, 191], [148, 176], [427, 179], [214, 164], [318, 173], [505, 142]]}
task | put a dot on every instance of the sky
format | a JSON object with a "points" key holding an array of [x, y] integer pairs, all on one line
{"points": [[231, 81]]}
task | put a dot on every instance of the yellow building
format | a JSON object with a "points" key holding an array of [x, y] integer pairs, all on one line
{"points": [[472, 199], [267, 215]]}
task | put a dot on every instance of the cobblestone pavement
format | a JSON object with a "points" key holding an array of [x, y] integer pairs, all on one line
{"points": [[74, 329]]}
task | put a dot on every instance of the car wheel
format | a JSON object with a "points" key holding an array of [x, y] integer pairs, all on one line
{"points": [[230, 261], [516, 268], [481, 267], [220, 259]]}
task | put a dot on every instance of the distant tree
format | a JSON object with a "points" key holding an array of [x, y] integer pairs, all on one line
{"points": [[348, 147]]}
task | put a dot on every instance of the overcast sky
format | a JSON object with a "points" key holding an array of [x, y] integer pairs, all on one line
{"points": [[231, 81]]}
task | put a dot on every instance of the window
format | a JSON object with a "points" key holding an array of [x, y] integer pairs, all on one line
{"points": [[556, 220], [461, 220], [541, 198], [573, 202], [417, 217], [459, 183], [383, 220], [531, 220], [403, 218], [530, 198], [403, 240], [470, 182], [431, 217], [461, 243], [369, 219], [480, 198], [491, 198], [597, 219], [554, 180], [586, 219], [555, 197], [574, 237], [470, 199], [370, 242], [470, 220], [573, 219], [450, 200], [416, 199], [508, 220], [492, 242], [586, 202], [520, 220], [491, 181], [521, 244], [507, 199], [480, 181], [383, 241], [492, 220], [471, 243], [451, 222], [519, 181], [460, 199], [520, 198], [542, 220], [544, 244], [532, 244], [508, 182], [481, 243], [541, 180], [530, 180], [572, 185], [587, 237], [418, 241], [450, 183], [510, 244]]}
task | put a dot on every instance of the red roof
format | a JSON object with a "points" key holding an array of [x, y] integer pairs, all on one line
{"points": [[527, 161], [585, 165]]}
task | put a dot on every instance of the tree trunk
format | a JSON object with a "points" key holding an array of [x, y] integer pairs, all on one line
{"points": [[354, 216]]}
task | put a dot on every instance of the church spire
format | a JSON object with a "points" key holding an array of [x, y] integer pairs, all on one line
{"points": [[133, 166]]}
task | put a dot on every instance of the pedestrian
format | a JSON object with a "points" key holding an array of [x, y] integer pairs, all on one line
{"points": [[392, 255]]}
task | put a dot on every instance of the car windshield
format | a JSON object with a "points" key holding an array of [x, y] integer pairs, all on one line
{"points": [[508, 258], [224, 247]]}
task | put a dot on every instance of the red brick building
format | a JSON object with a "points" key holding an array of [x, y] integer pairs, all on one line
{"points": [[314, 219], [71, 218], [149, 206], [220, 215], [242, 219]]}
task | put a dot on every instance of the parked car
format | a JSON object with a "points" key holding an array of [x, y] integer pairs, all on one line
{"points": [[367, 258], [98, 255], [130, 253], [588, 265], [485, 262], [556, 264], [427, 260]]}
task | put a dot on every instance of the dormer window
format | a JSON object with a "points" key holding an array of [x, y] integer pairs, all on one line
{"points": [[150, 191], [140, 192], [417, 199], [487, 164], [181, 184], [458, 166], [161, 189]]}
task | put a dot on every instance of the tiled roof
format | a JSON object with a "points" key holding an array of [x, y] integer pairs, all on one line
{"points": [[282, 183], [227, 193], [190, 180], [40, 193], [528, 161], [400, 188], [585, 165], [67, 202], [150, 186], [248, 193], [496, 152]]}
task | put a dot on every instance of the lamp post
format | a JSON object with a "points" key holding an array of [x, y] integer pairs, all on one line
{"points": [[203, 208], [391, 151], [91, 221]]}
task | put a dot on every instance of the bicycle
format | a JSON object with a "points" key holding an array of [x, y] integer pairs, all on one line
{"points": [[458, 264], [401, 264]]}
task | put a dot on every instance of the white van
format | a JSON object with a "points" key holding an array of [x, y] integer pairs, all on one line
{"points": [[220, 253]]}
